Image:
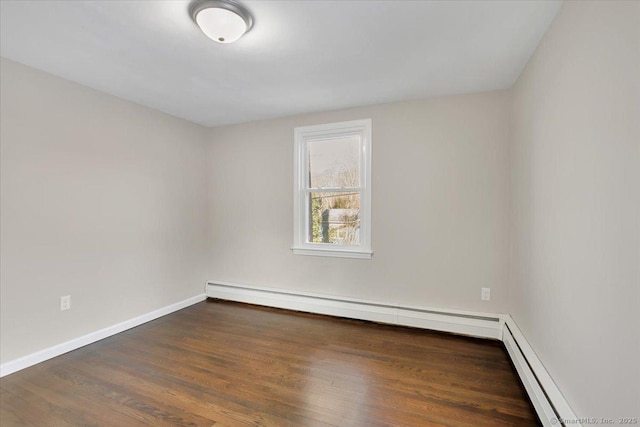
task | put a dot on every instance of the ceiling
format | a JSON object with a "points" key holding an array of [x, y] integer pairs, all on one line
{"points": [[300, 56]]}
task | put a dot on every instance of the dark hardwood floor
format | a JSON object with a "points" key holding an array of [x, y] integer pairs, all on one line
{"points": [[227, 364]]}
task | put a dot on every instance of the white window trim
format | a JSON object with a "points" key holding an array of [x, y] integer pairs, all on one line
{"points": [[302, 137]]}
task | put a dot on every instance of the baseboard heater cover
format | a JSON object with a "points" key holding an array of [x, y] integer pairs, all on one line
{"points": [[459, 322], [536, 394], [549, 403]]}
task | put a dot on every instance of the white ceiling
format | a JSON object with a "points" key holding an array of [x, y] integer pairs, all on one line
{"points": [[300, 56]]}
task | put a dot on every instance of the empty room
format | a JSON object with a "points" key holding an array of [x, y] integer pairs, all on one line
{"points": [[319, 213]]}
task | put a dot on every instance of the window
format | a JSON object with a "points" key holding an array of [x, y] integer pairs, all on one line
{"points": [[332, 193]]}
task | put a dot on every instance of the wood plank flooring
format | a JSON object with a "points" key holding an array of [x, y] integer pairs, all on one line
{"points": [[228, 364]]}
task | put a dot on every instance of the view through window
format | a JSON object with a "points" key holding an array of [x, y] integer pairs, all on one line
{"points": [[334, 196]]}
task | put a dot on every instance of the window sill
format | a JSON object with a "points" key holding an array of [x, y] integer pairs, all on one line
{"points": [[330, 252]]}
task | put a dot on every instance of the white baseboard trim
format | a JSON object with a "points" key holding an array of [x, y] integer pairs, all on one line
{"points": [[456, 321], [548, 401], [51, 352]]}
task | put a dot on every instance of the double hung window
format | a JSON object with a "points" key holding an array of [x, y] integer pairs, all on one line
{"points": [[332, 190]]}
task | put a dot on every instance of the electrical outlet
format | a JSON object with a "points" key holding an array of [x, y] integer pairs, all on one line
{"points": [[65, 303], [486, 294]]}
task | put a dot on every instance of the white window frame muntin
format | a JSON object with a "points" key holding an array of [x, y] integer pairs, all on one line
{"points": [[302, 137]]}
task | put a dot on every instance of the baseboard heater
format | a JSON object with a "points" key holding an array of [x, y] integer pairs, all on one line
{"points": [[460, 322], [536, 393], [550, 405]]}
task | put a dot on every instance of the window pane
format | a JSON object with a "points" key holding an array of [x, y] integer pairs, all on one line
{"points": [[334, 163], [334, 218]]}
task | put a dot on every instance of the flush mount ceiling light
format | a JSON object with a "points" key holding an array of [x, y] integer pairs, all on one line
{"points": [[223, 21]]}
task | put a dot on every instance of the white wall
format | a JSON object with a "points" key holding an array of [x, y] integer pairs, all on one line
{"points": [[118, 206], [440, 205], [101, 199], [575, 160]]}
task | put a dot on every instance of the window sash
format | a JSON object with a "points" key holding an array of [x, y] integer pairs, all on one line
{"points": [[303, 189], [309, 216]]}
